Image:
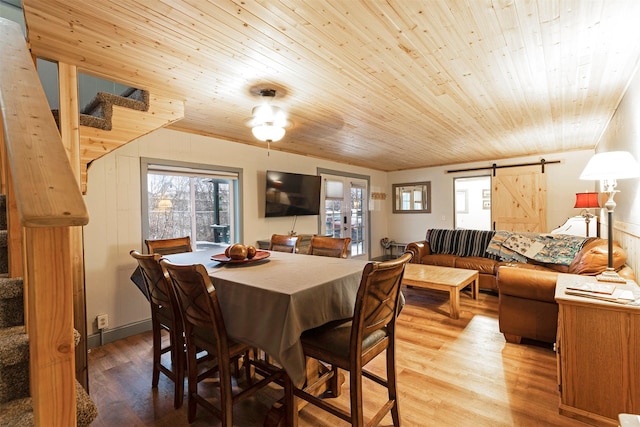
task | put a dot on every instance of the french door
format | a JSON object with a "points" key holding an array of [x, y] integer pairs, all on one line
{"points": [[345, 202]]}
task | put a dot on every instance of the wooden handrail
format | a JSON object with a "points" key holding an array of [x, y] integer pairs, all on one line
{"points": [[42, 176], [48, 202]]}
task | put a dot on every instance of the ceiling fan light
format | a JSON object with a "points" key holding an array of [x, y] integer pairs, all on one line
{"points": [[268, 132], [268, 121], [263, 113], [279, 118]]}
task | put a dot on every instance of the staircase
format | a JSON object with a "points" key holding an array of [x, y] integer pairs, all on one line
{"points": [[15, 403], [110, 121]]}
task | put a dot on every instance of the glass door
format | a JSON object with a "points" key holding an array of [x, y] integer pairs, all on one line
{"points": [[345, 208]]}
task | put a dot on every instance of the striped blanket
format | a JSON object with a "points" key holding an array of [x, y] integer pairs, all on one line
{"points": [[460, 242]]}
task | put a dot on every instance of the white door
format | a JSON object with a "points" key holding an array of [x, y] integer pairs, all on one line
{"points": [[345, 201]]}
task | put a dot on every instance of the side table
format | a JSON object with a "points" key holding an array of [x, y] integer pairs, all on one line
{"points": [[598, 354]]}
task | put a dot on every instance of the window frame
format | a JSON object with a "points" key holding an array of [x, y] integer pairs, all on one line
{"points": [[185, 168]]}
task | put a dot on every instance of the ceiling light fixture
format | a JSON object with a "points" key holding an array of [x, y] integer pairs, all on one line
{"points": [[268, 121]]}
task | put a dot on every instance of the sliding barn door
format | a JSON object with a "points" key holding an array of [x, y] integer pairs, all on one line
{"points": [[518, 199]]}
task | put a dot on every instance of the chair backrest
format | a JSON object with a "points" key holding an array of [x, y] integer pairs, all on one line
{"points": [[378, 298], [329, 246], [198, 301], [169, 246], [161, 295], [284, 243]]}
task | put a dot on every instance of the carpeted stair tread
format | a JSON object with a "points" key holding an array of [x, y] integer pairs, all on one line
{"points": [[11, 302], [99, 112], [11, 287], [14, 364], [18, 412], [86, 409], [14, 346]]}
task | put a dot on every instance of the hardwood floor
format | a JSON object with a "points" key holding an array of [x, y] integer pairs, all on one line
{"points": [[450, 373]]}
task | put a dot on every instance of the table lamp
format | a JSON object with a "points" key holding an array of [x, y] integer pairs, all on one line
{"points": [[586, 201], [608, 167]]}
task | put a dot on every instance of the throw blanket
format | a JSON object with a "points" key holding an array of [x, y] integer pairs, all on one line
{"points": [[545, 248]]}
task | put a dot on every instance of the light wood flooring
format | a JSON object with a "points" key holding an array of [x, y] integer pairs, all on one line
{"points": [[450, 373]]}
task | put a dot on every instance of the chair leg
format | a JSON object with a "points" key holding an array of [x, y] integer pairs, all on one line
{"points": [[157, 351], [246, 365], [355, 392], [391, 385], [178, 366], [290, 403], [226, 396], [192, 387]]}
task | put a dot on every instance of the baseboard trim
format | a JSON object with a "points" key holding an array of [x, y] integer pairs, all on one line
{"points": [[121, 332]]}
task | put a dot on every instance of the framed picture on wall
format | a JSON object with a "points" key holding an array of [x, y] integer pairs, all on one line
{"points": [[486, 194], [486, 204]]}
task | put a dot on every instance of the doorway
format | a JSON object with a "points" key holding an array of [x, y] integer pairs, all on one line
{"points": [[346, 210], [472, 202]]}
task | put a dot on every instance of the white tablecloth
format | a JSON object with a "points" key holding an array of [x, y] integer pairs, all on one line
{"points": [[270, 303]]}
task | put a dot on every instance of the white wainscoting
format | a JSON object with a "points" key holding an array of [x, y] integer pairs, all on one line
{"points": [[628, 236]]}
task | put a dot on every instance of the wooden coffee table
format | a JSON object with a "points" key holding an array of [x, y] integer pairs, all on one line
{"points": [[442, 279]]}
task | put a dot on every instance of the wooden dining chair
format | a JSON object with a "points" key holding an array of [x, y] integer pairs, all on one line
{"points": [[164, 315], [284, 243], [350, 345], [329, 246], [169, 246], [204, 329]]}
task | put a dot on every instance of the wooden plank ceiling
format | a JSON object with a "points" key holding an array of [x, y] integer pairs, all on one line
{"points": [[389, 85]]}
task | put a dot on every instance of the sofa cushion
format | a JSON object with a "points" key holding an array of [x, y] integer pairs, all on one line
{"points": [[442, 260], [459, 242], [522, 266], [483, 265]]}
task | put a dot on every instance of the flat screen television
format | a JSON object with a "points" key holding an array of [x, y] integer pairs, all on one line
{"points": [[292, 194]]}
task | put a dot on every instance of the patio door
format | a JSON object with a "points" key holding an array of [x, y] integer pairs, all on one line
{"points": [[345, 202]]}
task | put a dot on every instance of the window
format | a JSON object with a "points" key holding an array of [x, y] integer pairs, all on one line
{"points": [[199, 201]]}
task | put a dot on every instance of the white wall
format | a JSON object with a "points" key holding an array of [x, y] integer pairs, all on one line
{"points": [[562, 184], [113, 200]]}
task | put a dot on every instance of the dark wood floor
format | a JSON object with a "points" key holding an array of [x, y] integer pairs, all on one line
{"points": [[450, 373]]}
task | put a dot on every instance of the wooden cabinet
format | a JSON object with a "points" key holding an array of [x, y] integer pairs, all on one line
{"points": [[598, 350]]}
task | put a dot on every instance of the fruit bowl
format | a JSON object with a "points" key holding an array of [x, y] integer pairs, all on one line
{"points": [[260, 255]]}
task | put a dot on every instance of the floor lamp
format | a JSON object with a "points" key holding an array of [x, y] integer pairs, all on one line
{"points": [[586, 201], [607, 168]]}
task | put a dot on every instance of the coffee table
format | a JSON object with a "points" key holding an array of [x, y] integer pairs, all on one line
{"points": [[442, 279]]}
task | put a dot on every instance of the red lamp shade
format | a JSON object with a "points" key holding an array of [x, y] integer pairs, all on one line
{"points": [[587, 201]]}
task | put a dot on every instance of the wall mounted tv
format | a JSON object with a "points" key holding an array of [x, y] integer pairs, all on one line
{"points": [[292, 194]]}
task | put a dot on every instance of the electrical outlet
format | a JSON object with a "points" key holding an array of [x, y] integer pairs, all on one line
{"points": [[103, 321]]}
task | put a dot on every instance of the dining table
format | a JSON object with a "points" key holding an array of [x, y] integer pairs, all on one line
{"points": [[269, 303]]}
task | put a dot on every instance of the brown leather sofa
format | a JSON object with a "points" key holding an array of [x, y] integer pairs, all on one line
{"points": [[527, 306], [424, 253]]}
